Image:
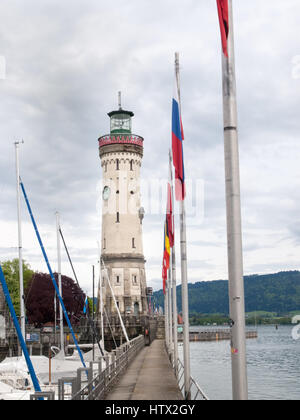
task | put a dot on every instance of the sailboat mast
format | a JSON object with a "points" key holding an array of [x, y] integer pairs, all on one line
{"points": [[115, 302], [101, 296], [61, 319], [20, 245]]}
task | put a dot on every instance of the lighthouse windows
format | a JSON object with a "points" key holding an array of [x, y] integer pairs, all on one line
{"points": [[117, 275], [118, 164], [131, 165], [133, 242], [118, 217]]}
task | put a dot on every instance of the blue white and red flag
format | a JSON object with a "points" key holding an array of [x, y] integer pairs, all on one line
{"points": [[177, 146]]}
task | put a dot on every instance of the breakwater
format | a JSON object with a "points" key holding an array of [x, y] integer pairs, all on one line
{"points": [[215, 335]]}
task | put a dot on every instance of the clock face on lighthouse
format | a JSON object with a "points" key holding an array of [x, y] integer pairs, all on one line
{"points": [[106, 193]]}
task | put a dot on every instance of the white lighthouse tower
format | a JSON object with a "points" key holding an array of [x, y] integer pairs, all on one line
{"points": [[121, 154]]}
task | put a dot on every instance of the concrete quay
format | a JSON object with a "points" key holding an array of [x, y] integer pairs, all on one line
{"points": [[149, 377], [215, 335]]}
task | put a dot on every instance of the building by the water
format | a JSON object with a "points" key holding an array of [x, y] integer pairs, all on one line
{"points": [[121, 154]]}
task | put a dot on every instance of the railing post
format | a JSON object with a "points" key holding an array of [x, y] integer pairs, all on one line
{"points": [[106, 371], [100, 365], [50, 396], [113, 364], [79, 379], [127, 354], [90, 380], [61, 387]]}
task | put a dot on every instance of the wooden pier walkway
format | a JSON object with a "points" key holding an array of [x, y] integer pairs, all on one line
{"points": [[149, 377]]}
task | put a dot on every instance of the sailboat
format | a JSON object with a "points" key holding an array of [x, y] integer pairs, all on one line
{"points": [[14, 375], [15, 380]]}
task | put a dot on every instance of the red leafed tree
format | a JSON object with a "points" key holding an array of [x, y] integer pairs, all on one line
{"points": [[39, 298]]}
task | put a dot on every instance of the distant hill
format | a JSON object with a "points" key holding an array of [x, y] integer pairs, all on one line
{"points": [[278, 293]]}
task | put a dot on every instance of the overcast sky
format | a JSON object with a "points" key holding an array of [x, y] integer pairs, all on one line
{"points": [[61, 66]]}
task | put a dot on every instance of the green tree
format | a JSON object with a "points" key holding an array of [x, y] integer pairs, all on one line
{"points": [[11, 273]]}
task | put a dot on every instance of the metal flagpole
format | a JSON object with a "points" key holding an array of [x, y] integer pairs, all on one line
{"points": [[185, 302], [173, 265], [175, 327], [234, 229], [61, 319], [20, 246], [167, 315], [170, 312], [93, 310], [184, 279]]}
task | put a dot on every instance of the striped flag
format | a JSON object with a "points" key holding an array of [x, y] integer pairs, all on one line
{"points": [[166, 257], [177, 145], [224, 23], [169, 231], [170, 217]]}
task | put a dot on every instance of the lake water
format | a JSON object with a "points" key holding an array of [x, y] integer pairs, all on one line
{"points": [[273, 361]]}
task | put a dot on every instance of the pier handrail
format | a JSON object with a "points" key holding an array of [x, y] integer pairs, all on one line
{"points": [[194, 391], [116, 365], [99, 381]]}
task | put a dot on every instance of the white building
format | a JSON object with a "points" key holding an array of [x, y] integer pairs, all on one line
{"points": [[121, 154]]}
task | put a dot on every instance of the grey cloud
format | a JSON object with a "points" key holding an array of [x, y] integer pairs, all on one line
{"points": [[67, 60]]}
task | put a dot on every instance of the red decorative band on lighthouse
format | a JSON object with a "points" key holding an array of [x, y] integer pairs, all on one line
{"points": [[121, 139]]}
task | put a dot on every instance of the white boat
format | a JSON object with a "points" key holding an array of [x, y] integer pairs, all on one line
{"points": [[15, 380]]}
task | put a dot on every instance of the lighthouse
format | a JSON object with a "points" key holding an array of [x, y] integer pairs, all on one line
{"points": [[121, 154]]}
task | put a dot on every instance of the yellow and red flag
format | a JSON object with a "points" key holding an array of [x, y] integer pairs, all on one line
{"points": [[166, 257]]}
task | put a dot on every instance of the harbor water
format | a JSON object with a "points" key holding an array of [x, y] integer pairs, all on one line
{"points": [[273, 363]]}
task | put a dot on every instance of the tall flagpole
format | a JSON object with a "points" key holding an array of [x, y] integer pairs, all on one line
{"points": [[20, 245], [234, 226], [61, 318], [173, 265], [167, 315], [184, 279], [93, 310], [170, 313]]}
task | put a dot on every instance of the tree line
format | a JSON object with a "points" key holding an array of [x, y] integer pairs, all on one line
{"points": [[279, 293]]}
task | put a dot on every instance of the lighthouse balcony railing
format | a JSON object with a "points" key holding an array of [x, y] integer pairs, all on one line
{"points": [[121, 139]]}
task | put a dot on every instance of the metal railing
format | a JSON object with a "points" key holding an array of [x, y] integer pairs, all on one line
{"points": [[94, 384], [115, 366], [195, 392]]}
